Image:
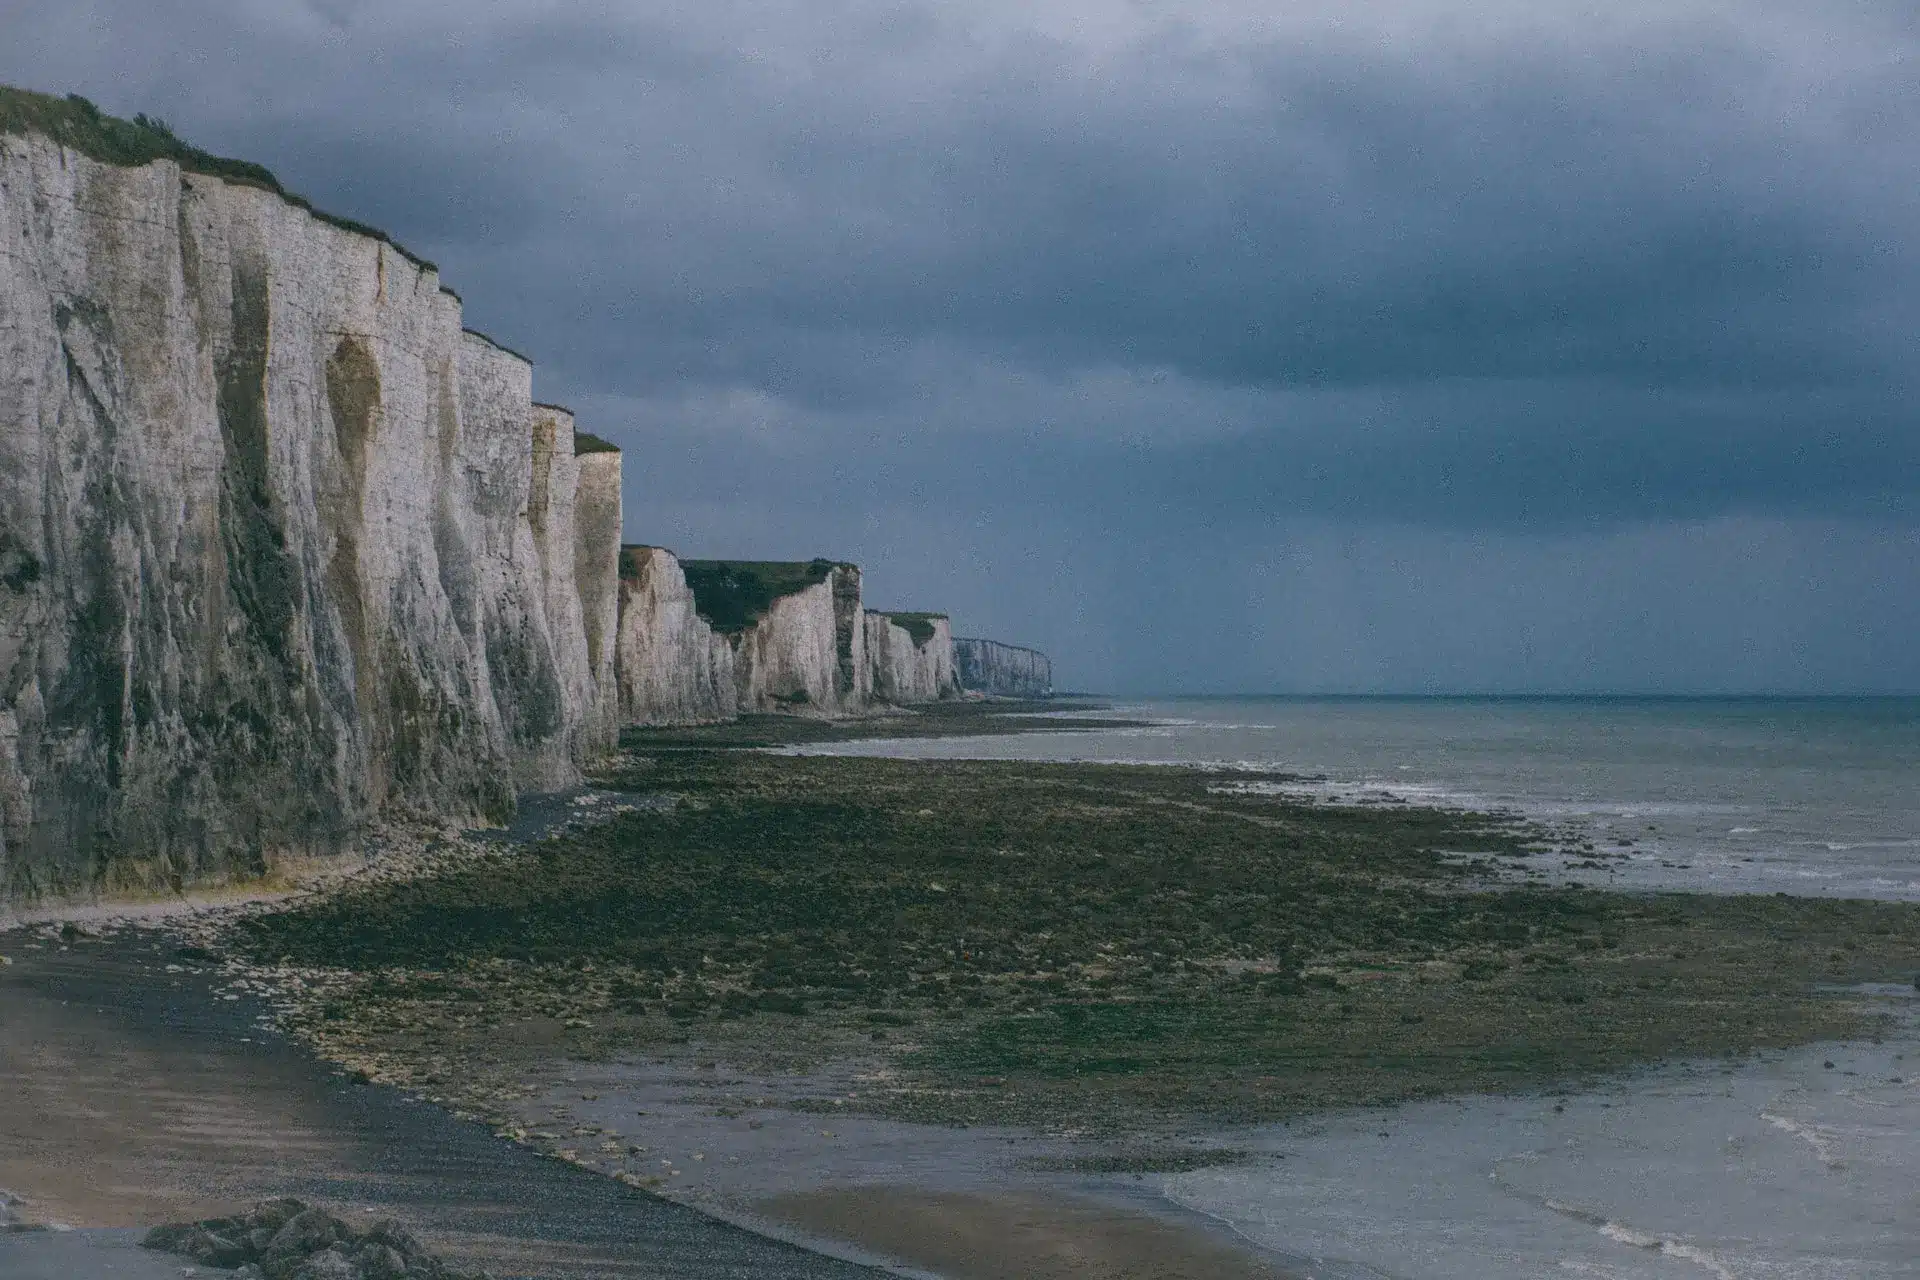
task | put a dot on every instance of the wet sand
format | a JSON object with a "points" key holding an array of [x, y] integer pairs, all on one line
{"points": [[137, 1095], [1034, 1236], [139, 1092], [755, 1147]]}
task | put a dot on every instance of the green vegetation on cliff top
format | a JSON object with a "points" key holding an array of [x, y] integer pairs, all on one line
{"points": [[732, 595], [917, 625], [75, 122]]}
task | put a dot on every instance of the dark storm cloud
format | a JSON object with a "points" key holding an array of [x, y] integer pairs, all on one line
{"points": [[1125, 282], [1276, 215]]}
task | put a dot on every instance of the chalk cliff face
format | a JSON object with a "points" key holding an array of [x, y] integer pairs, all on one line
{"points": [[285, 550], [281, 548], [1003, 670], [809, 651], [672, 667], [767, 637], [911, 655], [553, 520], [596, 574]]}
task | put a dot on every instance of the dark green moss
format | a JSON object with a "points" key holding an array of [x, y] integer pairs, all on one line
{"points": [[934, 720], [918, 626], [525, 683], [631, 556], [75, 122], [19, 567], [1094, 943], [732, 595]]}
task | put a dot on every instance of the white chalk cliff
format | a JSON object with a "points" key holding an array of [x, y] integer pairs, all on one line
{"points": [[672, 668], [285, 550], [775, 636], [808, 652], [282, 548], [1002, 670], [911, 655]]}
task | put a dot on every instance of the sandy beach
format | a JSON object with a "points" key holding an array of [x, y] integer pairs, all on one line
{"points": [[1042, 1237], [139, 1095], [150, 1087]]}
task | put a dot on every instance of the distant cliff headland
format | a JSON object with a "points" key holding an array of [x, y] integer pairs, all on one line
{"points": [[285, 549]]}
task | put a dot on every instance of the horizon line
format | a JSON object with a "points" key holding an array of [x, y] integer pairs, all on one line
{"points": [[1518, 695]]}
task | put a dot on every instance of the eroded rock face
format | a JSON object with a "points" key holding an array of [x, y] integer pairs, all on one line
{"points": [[553, 520], [1002, 670], [671, 668], [596, 575], [808, 652], [275, 555], [781, 637], [911, 656]]}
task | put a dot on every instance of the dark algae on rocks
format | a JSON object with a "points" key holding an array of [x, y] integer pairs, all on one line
{"points": [[1101, 946], [287, 1240]]}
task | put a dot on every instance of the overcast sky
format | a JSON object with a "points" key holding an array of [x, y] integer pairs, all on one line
{"points": [[1513, 346]]}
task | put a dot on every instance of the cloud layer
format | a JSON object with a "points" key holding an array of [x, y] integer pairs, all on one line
{"points": [[1171, 296]]}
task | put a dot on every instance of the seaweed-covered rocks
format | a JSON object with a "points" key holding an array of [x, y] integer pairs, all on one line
{"points": [[287, 1240]]}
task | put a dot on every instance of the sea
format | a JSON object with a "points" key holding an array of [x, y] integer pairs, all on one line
{"points": [[1791, 1165]]}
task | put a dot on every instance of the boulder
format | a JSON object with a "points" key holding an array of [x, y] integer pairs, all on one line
{"points": [[289, 1240]]}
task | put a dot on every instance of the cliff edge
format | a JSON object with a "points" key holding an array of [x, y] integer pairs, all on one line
{"points": [[1002, 670], [671, 667], [912, 657], [286, 550], [282, 547], [796, 629]]}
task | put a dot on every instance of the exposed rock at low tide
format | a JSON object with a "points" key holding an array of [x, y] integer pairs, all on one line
{"points": [[287, 1240]]}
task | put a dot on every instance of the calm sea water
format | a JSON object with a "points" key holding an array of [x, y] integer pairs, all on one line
{"points": [[1802, 1165], [1813, 796]]}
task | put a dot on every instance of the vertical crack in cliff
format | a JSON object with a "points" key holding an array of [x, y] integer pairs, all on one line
{"points": [[91, 696], [259, 571], [450, 550], [848, 631], [353, 397]]}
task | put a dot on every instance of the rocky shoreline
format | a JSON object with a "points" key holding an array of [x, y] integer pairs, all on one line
{"points": [[786, 1100], [177, 969], [149, 1089], [290, 1240]]}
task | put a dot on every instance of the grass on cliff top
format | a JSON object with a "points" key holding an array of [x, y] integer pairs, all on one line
{"points": [[732, 595], [585, 442], [918, 626], [75, 122], [1096, 945]]}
